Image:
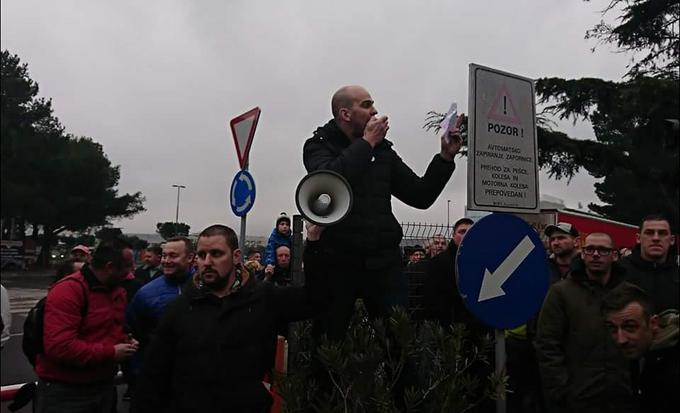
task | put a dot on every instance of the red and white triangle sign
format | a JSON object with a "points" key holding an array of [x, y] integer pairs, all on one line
{"points": [[503, 109], [243, 130]]}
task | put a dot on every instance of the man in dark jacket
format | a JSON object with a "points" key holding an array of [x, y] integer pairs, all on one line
{"points": [[581, 368], [152, 265], [215, 342], [280, 274], [563, 242], [650, 341], [652, 266], [364, 247], [442, 299]]}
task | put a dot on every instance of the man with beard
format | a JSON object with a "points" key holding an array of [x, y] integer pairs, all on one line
{"points": [[562, 240], [581, 368], [83, 337], [149, 303], [364, 247], [215, 343]]}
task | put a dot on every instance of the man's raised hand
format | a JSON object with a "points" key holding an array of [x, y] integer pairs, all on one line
{"points": [[451, 146]]}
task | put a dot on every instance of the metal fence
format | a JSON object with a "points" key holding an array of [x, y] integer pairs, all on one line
{"points": [[419, 233], [416, 233]]}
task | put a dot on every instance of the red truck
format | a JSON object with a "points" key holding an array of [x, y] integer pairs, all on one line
{"points": [[586, 223]]}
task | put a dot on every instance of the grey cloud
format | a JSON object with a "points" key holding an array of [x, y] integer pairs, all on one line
{"points": [[157, 82]]}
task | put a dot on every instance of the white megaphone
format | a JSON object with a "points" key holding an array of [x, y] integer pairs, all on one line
{"points": [[324, 197]]}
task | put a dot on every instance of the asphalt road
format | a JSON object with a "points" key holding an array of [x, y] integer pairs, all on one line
{"points": [[25, 289]]}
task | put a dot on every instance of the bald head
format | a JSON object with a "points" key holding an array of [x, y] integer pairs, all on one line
{"points": [[599, 236], [345, 97]]}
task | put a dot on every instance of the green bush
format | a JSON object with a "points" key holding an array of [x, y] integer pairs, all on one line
{"points": [[388, 365]]}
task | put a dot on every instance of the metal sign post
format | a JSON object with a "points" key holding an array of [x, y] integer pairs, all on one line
{"points": [[502, 274], [242, 193], [500, 358], [244, 218]]}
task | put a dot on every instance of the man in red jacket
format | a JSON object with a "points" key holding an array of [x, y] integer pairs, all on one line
{"points": [[83, 336]]}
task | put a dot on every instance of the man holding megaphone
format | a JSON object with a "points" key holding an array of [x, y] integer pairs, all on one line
{"points": [[364, 245]]}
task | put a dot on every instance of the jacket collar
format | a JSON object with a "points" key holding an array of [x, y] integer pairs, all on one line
{"points": [[639, 262], [91, 280], [578, 273], [177, 281], [195, 290], [331, 132]]}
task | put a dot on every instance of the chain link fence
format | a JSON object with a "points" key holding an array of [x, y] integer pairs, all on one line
{"points": [[419, 234], [416, 233]]}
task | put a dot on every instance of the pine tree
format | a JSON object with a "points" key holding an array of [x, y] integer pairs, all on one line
{"points": [[388, 365]]}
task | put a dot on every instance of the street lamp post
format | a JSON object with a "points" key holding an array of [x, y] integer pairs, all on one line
{"points": [[448, 214], [179, 187]]}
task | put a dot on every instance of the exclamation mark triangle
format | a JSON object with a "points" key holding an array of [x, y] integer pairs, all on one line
{"points": [[503, 109]]}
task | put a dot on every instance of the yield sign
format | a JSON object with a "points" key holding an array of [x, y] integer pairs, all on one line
{"points": [[503, 109], [243, 130]]}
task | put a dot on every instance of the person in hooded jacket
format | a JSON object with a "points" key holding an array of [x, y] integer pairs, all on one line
{"points": [[215, 343], [581, 368], [364, 247]]}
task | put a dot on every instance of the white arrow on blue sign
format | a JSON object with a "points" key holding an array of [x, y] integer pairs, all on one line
{"points": [[242, 193], [502, 271]]}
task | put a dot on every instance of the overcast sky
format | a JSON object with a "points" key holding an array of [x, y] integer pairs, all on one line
{"points": [[156, 82]]}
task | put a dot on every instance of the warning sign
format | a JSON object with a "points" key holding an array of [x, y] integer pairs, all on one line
{"points": [[503, 109], [502, 155]]}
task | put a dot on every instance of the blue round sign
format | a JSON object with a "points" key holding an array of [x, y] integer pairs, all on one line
{"points": [[242, 193], [502, 271]]}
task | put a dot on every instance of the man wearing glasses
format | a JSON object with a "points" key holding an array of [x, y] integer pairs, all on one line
{"points": [[581, 368]]}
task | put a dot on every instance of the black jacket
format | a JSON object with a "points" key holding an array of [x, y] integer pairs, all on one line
{"points": [[210, 354], [660, 281], [656, 378], [442, 300], [375, 174], [144, 275]]}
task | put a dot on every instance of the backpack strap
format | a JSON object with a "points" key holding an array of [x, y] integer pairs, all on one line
{"points": [[86, 295]]}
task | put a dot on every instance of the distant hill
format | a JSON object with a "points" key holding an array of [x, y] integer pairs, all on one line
{"points": [[150, 238], [154, 238]]}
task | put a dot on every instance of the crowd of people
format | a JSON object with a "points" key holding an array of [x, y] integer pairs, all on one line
{"points": [[194, 326], [606, 337]]}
